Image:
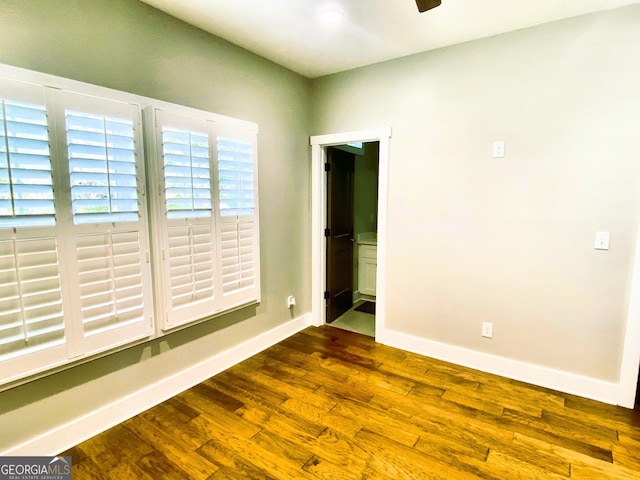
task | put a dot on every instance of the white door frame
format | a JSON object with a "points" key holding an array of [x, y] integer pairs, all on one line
{"points": [[319, 219], [631, 348]]}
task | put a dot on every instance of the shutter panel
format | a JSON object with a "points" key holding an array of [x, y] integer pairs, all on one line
{"points": [[191, 264], [32, 316], [238, 255], [186, 173], [237, 200], [31, 313], [26, 184], [188, 270], [109, 273], [236, 177], [102, 166], [111, 280]]}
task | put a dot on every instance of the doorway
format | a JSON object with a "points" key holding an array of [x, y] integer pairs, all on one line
{"points": [[319, 146], [352, 214]]}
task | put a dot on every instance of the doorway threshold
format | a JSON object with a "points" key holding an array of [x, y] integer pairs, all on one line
{"points": [[356, 321]]}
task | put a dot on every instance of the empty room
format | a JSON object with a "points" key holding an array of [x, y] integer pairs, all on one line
{"points": [[197, 197]]}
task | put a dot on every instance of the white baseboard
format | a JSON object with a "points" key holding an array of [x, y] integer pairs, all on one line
{"points": [[80, 429], [534, 374]]}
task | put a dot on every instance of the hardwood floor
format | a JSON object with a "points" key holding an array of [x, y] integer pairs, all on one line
{"points": [[331, 404]]}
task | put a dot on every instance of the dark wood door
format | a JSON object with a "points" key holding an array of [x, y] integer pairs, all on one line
{"points": [[340, 232]]}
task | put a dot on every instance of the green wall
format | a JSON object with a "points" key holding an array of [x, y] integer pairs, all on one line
{"points": [[471, 238]]}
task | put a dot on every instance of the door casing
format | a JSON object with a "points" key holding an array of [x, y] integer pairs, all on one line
{"points": [[318, 220]]}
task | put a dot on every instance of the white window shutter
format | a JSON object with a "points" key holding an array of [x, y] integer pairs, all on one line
{"points": [[208, 219], [26, 183], [236, 170], [185, 220], [75, 253], [32, 323], [102, 167], [106, 236], [31, 313], [110, 279], [239, 255], [191, 264]]}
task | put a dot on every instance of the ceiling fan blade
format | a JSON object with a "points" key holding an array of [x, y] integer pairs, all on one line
{"points": [[424, 5]]}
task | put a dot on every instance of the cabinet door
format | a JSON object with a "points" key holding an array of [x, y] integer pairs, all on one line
{"points": [[367, 276]]}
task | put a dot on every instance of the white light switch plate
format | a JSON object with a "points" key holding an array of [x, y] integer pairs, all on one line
{"points": [[602, 241]]}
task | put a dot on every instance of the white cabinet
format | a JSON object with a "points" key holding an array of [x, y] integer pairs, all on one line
{"points": [[367, 269]]}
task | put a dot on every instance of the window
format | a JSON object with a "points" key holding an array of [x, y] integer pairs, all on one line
{"points": [[106, 238], [72, 275], [209, 249], [80, 239]]}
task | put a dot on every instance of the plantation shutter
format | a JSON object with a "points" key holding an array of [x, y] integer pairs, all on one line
{"points": [[107, 229], [237, 200], [186, 220], [102, 166], [75, 246], [32, 326]]}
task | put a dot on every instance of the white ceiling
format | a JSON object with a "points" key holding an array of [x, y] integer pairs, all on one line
{"points": [[319, 37]]}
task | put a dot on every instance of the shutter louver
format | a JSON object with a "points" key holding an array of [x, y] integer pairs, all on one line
{"points": [[191, 264], [102, 166], [236, 177], [238, 256], [26, 184], [31, 312], [186, 173], [111, 283]]}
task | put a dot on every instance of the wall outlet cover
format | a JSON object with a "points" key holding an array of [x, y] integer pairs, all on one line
{"points": [[487, 329]]}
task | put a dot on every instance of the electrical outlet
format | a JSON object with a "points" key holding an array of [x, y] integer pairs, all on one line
{"points": [[498, 149], [487, 329], [291, 301], [602, 241]]}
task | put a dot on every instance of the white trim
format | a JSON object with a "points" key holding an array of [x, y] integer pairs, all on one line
{"points": [[533, 374], [631, 349], [82, 428], [318, 218]]}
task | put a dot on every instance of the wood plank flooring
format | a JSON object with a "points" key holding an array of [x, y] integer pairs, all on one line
{"points": [[332, 404]]}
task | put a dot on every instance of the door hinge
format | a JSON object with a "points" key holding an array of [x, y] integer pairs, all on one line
{"points": [[326, 295], [327, 167], [327, 232]]}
